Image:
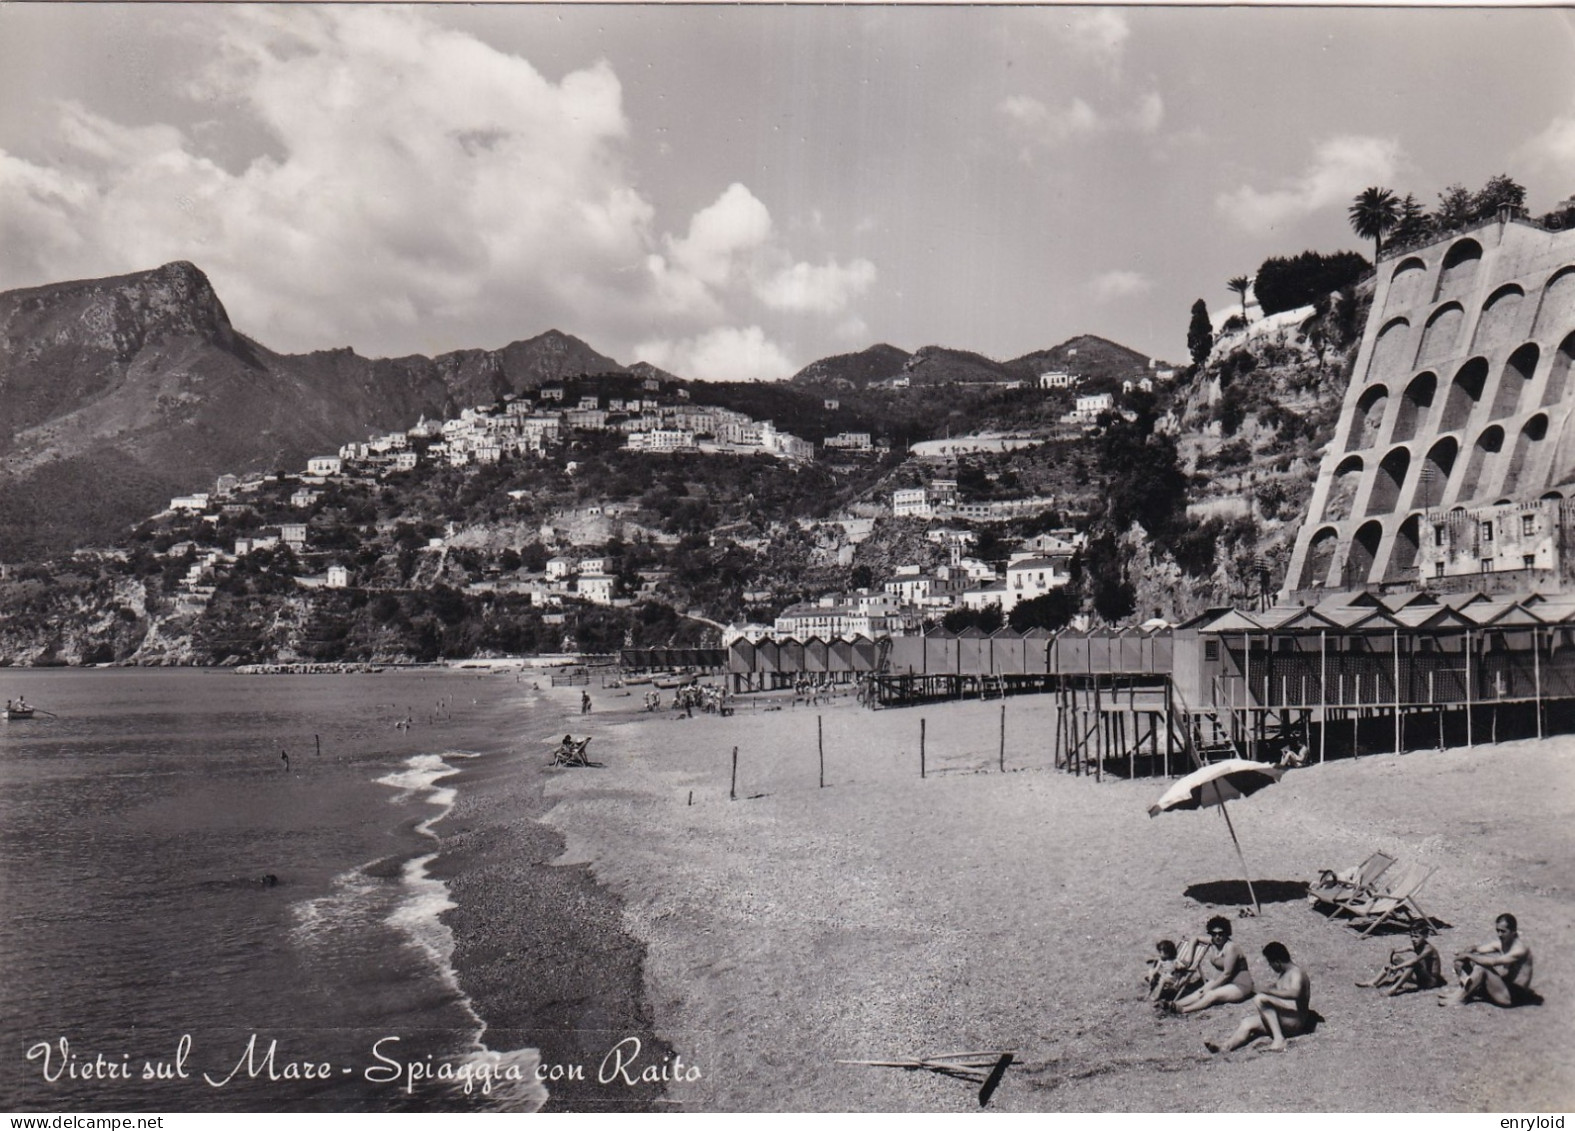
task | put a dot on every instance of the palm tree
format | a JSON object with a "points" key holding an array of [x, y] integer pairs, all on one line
{"points": [[1240, 284], [1372, 213]]}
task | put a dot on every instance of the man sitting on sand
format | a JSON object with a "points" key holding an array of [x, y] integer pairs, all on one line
{"points": [[1281, 1012], [1498, 971], [1419, 968], [1233, 980]]}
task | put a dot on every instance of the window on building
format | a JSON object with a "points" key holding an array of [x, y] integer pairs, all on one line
{"points": [[1211, 650], [1438, 535], [1487, 532], [1528, 524], [1487, 565], [1438, 569], [1528, 561]]}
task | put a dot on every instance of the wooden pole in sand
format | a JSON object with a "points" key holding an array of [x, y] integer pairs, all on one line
{"points": [[732, 790], [1536, 672], [1397, 691], [1323, 692], [1003, 738], [921, 748], [1469, 665], [820, 740]]}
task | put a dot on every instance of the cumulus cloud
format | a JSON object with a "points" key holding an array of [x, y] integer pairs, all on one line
{"points": [[420, 191], [1341, 168], [826, 289], [1149, 113], [726, 353], [1554, 148], [1120, 284]]}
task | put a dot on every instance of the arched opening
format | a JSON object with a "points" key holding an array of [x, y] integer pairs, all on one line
{"points": [[1320, 552], [1414, 406], [1342, 490], [1386, 484], [1532, 433], [1488, 445], [1513, 380], [1440, 335], [1459, 270], [1390, 351], [1464, 393], [1559, 495], [1368, 418], [1434, 476], [1556, 306], [1407, 286], [1500, 315], [1402, 559], [1364, 551], [1559, 372]]}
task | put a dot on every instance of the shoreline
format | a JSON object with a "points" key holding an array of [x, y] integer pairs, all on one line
{"points": [[886, 915], [540, 946]]}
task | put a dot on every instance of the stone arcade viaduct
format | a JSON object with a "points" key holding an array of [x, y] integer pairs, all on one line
{"points": [[1460, 399]]}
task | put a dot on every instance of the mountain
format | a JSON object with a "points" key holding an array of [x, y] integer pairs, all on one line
{"points": [[118, 393], [1099, 362], [854, 370]]}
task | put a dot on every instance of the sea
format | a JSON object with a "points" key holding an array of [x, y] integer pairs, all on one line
{"points": [[214, 891]]}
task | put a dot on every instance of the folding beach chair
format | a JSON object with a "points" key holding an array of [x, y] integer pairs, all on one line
{"points": [[1339, 887], [1396, 904]]}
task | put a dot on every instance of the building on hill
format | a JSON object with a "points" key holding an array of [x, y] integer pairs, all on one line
{"points": [[1058, 379], [1460, 399]]}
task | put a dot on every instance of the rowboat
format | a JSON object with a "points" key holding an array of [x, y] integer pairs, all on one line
{"points": [[669, 680], [19, 713]]}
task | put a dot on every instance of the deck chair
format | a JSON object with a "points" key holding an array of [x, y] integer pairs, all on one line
{"points": [[572, 755], [1339, 887], [1397, 904]]}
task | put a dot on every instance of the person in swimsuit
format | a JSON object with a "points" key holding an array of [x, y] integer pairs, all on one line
{"points": [[1498, 971], [1233, 979], [1282, 1012], [1419, 968]]}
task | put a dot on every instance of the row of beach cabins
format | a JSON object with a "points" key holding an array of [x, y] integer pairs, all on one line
{"points": [[1354, 674]]}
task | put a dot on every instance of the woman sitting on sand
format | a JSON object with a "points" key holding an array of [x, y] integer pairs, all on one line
{"points": [[1231, 982]]}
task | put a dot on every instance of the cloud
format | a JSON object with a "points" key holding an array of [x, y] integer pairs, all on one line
{"points": [[1341, 168], [1038, 125], [827, 289], [1119, 284], [1554, 148], [1097, 34], [726, 353], [1149, 113], [411, 189]]}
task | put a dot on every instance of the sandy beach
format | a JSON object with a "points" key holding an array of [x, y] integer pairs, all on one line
{"points": [[889, 916]]}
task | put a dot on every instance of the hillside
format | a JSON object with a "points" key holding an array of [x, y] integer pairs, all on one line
{"points": [[118, 393]]}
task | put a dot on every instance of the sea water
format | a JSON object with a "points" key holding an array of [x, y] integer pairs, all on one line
{"points": [[214, 892]]}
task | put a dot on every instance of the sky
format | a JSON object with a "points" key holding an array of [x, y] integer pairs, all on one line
{"points": [[733, 192]]}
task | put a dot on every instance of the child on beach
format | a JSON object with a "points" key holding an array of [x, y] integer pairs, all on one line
{"points": [[1419, 968], [1160, 968]]}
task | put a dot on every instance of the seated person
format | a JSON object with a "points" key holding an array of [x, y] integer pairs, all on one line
{"points": [[1281, 1012], [1498, 971], [1232, 980], [1160, 968], [1419, 968]]}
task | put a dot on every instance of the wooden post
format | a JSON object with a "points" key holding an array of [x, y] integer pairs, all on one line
{"points": [[820, 740], [1536, 671], [1323, 692], [1170, 737], [1099, 754], [319, 740], [732, 790], [1397, 691], [921, 748], [1003, 737], [1469, 665]]}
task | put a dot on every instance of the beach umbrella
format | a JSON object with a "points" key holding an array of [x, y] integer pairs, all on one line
{"points": [[1215, 784]]}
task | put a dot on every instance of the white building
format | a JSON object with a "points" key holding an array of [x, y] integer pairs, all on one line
{"points": [[1028, 578], [324, 465], [597, 588], [1058, 379], [338, 577], [911, 502]]}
